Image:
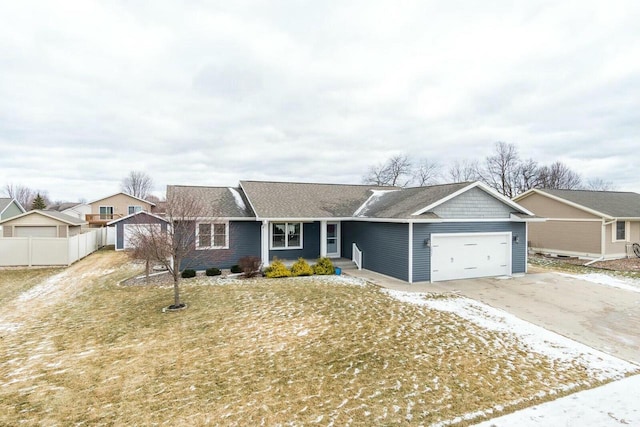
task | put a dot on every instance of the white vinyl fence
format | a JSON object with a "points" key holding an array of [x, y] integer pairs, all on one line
{"points": [[31, 251]]}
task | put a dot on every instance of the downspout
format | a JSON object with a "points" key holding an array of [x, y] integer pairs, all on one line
{"points": [[603, 235]]}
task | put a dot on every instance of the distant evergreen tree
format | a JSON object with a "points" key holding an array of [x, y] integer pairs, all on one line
{"points": [[38, 203]]}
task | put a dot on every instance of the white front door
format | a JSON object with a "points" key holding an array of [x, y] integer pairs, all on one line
{"points": [[333, 239]]}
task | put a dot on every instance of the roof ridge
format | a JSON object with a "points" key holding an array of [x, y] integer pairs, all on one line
{"points": [[319, 183]]}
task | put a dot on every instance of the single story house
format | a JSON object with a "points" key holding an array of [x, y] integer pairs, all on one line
{"points": [[128, 227], [434, 233], [588, 224], [115, 206]]}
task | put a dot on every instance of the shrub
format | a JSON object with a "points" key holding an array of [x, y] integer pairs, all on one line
{"points": [[323, 266], [301, 268], [236, 269], [277, 269], [188, 273], [250, 265], [213, 271]]}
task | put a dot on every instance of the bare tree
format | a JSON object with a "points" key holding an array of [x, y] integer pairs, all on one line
{"points": [[426, 173], [501, 169], [463, 171], [137, 184], [396, 171], [559, 176], [599, 184], [527, 176], [23, 194]]}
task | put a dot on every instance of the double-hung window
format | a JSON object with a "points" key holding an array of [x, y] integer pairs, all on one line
{"points": [[106, 212], [134, 209], [286, 235], [621, 231], [212, 235]]}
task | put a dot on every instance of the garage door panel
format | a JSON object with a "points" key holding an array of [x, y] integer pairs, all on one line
{"points": [[464, 256], [35, 231]]}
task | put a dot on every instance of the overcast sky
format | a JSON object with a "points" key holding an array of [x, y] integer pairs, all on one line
{"points": [[211, 92]]}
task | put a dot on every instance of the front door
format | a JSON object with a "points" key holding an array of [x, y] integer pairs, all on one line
{"points": [[333, 239]]}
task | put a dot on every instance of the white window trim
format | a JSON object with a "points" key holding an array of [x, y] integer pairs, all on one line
{"points": [[134, 209], [286, 240], [614, 231], [113, 212], [226, 237]]}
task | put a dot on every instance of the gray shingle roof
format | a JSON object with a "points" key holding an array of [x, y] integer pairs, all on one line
{"points": [[217, 202], [63, 206], [306, 200], [402, 203], [71, 220], [616, 204]]}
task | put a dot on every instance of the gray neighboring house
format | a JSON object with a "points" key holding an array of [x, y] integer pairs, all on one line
{"points": [[10, 207], [435, 233], [583, 223]]}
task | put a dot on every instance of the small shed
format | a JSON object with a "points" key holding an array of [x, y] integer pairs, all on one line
{"points": [[140, 222]]}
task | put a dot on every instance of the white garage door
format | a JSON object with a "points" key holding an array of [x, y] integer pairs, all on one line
{"points": [[464, 256], [133, 230], [34, 231]]}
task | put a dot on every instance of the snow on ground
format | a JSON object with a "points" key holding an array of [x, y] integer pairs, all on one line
{"points": [[610, 405], [626, 283], [601, 365], [613, 404]]}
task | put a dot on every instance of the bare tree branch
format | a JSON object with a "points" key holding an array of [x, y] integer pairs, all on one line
{"points": [[463, 171], [426, 173], [559, 176], [599, 184], [137, 184], [396, 171]]}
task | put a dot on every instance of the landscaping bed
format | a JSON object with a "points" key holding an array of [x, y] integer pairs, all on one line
{"points": [[628, 267]]}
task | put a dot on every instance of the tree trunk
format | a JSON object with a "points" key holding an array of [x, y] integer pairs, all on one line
{"points": [[176, 279]]}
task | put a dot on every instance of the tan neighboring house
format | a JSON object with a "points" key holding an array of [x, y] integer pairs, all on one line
{"points": [[588, 224], [39, 223], [116, 206]]}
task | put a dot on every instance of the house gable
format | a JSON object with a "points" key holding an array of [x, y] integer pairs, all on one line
{"points": [[473, 203], [120, 203], [551, 207], [10, 209]]}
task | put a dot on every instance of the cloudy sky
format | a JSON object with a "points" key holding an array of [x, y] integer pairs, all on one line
{"points": [[211, 92]]}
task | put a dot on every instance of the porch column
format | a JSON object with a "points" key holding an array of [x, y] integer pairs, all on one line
{"points": [[323, 239], [264, 243]]}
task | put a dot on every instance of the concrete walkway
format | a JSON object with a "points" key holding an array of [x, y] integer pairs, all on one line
{"points": [[602, 317]]}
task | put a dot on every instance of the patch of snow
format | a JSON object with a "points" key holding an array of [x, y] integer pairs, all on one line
{"points": [[238, 198], [303, 333], [9, 327], [605, 279], [613, 404], [43, 289], [375, 196], [601, 365]]}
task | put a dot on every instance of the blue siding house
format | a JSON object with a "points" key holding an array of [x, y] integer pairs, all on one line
{"points": [[434, 233]]}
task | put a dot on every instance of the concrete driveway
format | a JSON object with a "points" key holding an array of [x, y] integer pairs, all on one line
{"points": [[599, 316]]}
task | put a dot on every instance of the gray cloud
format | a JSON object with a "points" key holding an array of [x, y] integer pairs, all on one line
{"points": [[206, 94]]}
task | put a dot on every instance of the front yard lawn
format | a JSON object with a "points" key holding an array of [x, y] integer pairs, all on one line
{"points": [[265, 352]]}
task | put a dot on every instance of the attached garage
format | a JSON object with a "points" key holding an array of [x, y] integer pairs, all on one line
{"points": [[469, 255]]}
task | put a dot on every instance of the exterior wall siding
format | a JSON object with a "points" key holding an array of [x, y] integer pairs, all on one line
{"points": [[619, 249], [244, 240], [474, 203], [422, 253], [138, 219], [310, 242], [120, 204], [546, 207], [384, 246], [580, 238], [11, 211]]}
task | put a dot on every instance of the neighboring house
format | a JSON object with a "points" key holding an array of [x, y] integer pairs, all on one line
{"points": [[116, 206], [9, 208], [39, 223], [589, 224], [128, 227], [75, 209], [435, 233]]}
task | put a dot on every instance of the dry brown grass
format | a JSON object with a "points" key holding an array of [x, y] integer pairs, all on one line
{"points": [[292, 351]]}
